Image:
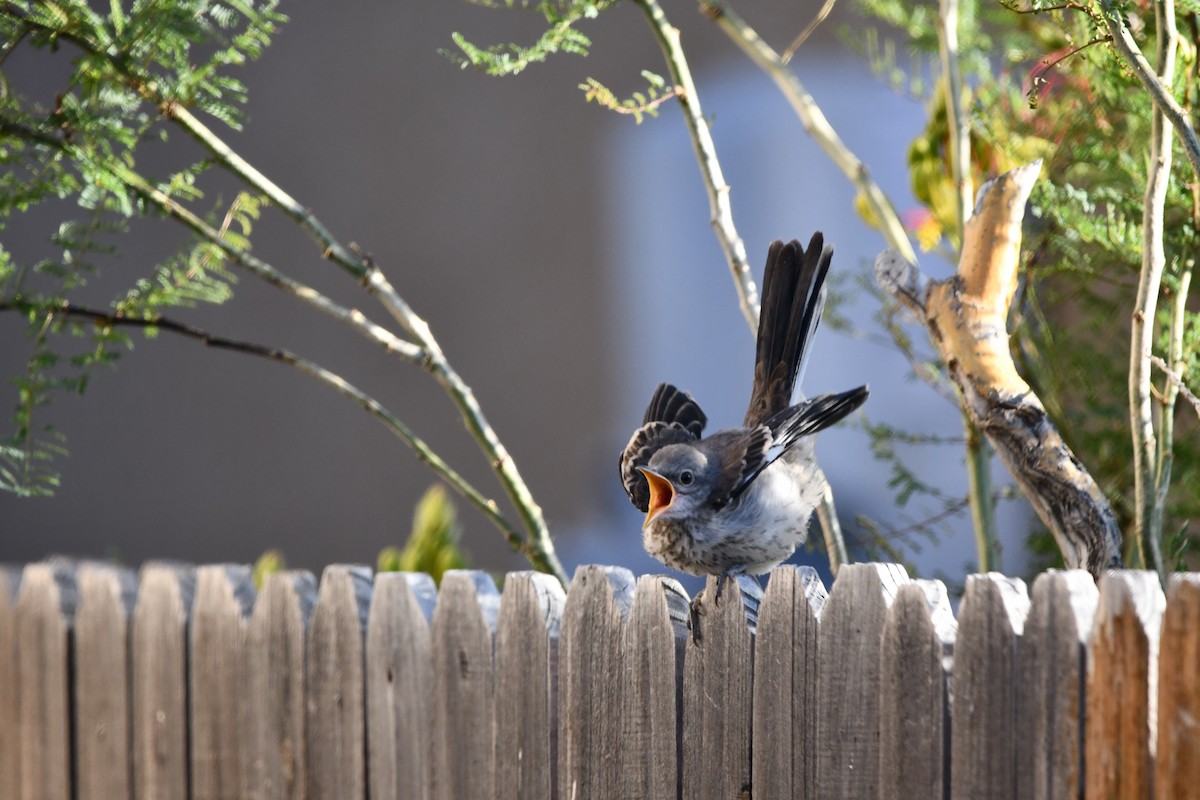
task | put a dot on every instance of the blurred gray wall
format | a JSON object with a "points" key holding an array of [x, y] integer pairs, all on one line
{"points": [[531, 230]]}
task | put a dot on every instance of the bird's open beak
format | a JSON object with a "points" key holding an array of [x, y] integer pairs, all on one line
{"points": [[662, 493]]}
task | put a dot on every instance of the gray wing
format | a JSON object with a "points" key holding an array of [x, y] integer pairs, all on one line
{"points": [[672, 417]]}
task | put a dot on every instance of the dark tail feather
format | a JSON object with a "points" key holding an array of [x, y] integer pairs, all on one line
{"points": [[815, 414], [791, 310]]}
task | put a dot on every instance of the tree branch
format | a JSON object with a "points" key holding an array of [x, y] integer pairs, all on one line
{"points": [[1147, 531], [1123, 40], [706, 158], [966, 316], [1177, 382], [426, 454], [814, 122]]}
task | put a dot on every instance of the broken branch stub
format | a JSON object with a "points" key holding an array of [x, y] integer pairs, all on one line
{"points": [[967, 319]]}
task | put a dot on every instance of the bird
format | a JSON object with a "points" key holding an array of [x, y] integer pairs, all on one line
{"points": [[739, 500]]}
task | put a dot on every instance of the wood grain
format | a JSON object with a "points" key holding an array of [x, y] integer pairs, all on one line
{"points": [[400, 686], [277, 678], [464, 708], [785, 684], [336, 714], [1120, 686], [1051, 706], [1178, 767], [526, 671], [590, 687], [848, 641], [103, 730]]}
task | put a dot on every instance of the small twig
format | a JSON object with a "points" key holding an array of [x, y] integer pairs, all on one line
{"points": [[1177, 381], [814, 122], [706, 157], [487, 506], [960, 134], [1147, 531], [802, 37], [1123, 41]]}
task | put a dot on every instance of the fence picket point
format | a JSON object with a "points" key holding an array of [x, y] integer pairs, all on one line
{"points": [[785, 684], [220, 737], [335, 717], [1178, 765], [718, 671], [590, 691], [399, 686], [655, 637], [983, 756], [45, 614], [464, 628], [10, 732], [1122, 676], [528, 626], [1050, 703], [915, 647], [848, 640], [159, 664], [276, 673], [103, 730]]}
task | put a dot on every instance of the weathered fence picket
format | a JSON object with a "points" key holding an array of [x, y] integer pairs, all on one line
{"points": [[983, 747], [913, 702], [10, 738], [1050, 708], [1121, 686], [159, 665], [102, 707], [45, 614], [851, 627], [464, 627], [526, 671], [400, 687], [1177, 773], [336, 710], [783, 762], [187, 683], [718, 676], [277, 686]]}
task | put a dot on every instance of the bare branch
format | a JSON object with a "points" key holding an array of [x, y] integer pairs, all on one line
{"points": [[706, 158], [802, 37], [1123, 40], [814, 122], [966, 316], [1177, 382], [426, 454]]}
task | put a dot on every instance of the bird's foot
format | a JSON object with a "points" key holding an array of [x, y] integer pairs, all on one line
{"points": [[695, 612]]}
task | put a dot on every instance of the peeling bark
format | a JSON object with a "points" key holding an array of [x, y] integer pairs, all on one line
{"points": [[967, 318]]}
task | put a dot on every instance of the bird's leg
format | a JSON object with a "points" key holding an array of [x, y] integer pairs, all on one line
{"points": [[695, 612]]}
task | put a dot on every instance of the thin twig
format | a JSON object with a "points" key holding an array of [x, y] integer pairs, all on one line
{"points": [[960, 136], [802, 37], [1177, 381], [1123, 40], [706, 157], [814, 122], [486, 505], [1147, 529]]}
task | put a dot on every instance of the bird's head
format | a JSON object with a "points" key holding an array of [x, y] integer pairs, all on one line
{"points": [[680, 480]]}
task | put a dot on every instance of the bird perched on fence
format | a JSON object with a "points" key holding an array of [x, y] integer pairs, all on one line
{"points": [[739, 501]]}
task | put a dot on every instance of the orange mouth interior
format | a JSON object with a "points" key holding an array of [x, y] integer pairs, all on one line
{"points": [[662, 494]]}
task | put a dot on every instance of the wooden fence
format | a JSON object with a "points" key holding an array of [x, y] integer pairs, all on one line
{"points": [[181, 682]]}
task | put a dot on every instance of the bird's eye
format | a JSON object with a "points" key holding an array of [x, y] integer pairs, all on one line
{"points": [[686, 477]]}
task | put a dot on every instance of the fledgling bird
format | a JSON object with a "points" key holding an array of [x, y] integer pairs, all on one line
{"points": [[739, 501]]}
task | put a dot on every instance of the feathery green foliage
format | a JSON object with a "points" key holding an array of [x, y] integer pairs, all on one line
{"points": [[76, 150], [510, 58]]}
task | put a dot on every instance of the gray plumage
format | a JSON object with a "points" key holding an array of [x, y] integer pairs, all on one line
{"points": [[740, 500]]}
